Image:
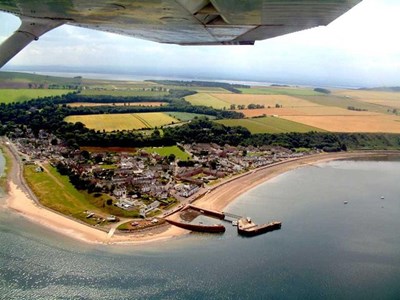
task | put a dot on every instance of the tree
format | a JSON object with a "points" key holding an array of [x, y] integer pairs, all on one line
{"points": [[171, 157]]}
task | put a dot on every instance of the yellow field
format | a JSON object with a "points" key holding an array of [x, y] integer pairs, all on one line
{"points": [[365, 123], [317, 110], [156, 119], [390, 99], [267, 100], [110, 122], [78, 104], [208, 100]]}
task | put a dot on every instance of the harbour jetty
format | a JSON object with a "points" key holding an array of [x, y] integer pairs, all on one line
{"points": [[246, 227], [217, 228]]}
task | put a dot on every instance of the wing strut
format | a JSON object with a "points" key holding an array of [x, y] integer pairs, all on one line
{"points": [[30, 30]]}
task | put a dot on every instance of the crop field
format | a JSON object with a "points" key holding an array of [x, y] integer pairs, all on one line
{"points": [[123, 92], [269, 125], [267, 100], [166, 151], [20, 95], [290, 91], [208, 100], [110, 122], [344, 102], [184, 116], [317, 110], [389, 99], [89, 104], [377, 123]]}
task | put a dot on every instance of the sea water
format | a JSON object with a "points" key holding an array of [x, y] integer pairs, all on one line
{"points": [[326, 249]]}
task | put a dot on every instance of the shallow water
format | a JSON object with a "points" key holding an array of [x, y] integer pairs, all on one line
{"points": [[325, 249]]}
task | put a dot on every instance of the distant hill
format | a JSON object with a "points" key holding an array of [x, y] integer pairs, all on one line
{"points": [[383, 89], [19, 80]]}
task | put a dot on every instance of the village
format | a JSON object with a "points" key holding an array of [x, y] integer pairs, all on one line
{"points": [[145, 181]]}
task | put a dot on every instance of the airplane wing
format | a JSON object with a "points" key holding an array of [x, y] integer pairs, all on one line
{"points": [[183, 22]]}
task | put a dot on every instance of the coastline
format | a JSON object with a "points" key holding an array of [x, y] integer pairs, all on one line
{"points": [[20, 200]]}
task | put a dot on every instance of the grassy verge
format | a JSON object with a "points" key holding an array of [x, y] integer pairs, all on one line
{"points": [[7, 166]]}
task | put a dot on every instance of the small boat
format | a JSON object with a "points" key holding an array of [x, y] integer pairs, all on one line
{"points": [[382, 197]]}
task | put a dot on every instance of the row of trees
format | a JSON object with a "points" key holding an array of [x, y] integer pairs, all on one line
{"points": [[48, 114]]}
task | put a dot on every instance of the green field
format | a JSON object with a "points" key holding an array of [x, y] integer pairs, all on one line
{"points": [[165, 151], [207, 100], [110, 122], [7, 166], [124, 92], [269, 125], [344, 102], [184, 117], [20, 95], [280, 91], [56, 192]]}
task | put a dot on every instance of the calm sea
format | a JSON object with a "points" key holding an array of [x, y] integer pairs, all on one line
{"points": [[325, 250]]}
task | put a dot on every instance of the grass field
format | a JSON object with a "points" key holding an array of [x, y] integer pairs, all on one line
{"points": [[56, 192], [89, 104], [269, 125], [267, 100], [387, 99], [344, 102], [208, 100], [20, 95], [124, 92], [184, 116], [165, 151], [110, 122], [377, 123], [290, 91]]}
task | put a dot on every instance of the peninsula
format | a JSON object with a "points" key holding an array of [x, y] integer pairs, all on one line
{"points": [[21, 199]]}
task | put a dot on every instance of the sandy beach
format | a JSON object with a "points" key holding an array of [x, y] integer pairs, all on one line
{"points": [[218, 198]]}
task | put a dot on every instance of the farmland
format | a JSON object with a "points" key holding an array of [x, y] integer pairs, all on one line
{"points": [[20, 95], [184, 116], [388, 99], [269, 125], [290, 91], [267, 100], [377, 123], [124, 92], [344, 102], [90, 104], [111, 122], [208, 100]]}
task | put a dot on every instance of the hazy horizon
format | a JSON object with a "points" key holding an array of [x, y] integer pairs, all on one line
{"points": [[358, 49]]}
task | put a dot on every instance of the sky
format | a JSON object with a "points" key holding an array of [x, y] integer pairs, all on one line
{"points": [[360, 48]]}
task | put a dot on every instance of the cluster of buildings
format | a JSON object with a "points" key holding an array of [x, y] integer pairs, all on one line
{"points": [[146, 181]]}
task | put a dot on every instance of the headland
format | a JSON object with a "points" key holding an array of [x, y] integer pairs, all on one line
{"points": [[22, 200]]}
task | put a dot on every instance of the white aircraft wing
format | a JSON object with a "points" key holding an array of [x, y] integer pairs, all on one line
{"points": [[183, 22]]}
